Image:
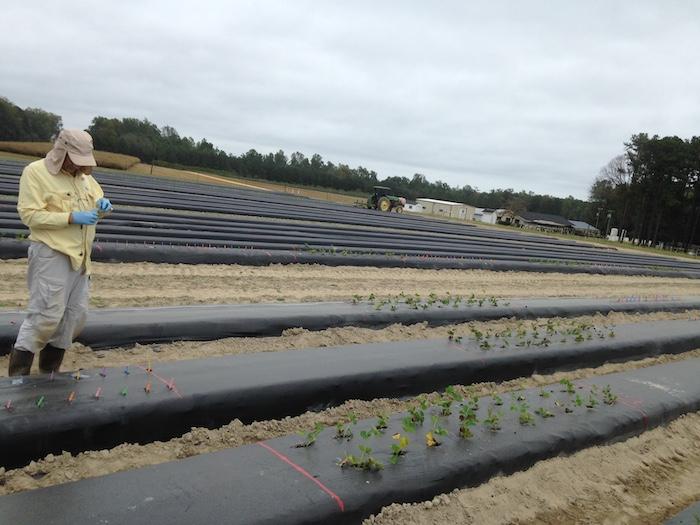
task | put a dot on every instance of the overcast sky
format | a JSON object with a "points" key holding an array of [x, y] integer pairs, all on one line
{"points": [[522, 94]]}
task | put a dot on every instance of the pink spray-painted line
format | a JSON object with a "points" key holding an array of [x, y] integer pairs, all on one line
{"points": [[279, 455]]}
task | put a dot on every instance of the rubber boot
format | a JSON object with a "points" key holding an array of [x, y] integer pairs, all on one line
{"points": [[20, 363], [50, 359]]}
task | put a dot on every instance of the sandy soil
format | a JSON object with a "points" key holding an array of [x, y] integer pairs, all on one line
{"points": [[148, 284], [54, 470], [642, 481], [299, 338]]}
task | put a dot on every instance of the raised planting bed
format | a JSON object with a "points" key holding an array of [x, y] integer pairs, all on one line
{"points": [[107, 328], [103, 408], [402, 458], [150, 249]]}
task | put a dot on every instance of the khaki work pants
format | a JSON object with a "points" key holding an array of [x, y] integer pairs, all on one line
{"points": [[58, 301]]}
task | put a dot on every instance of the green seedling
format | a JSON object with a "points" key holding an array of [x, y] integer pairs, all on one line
{"points": [[364, 462], [592, 401], [543, 412], [382, 423], [485, 345], [356, 299], [493, 420], [445, 405], [568, 385], [451, 334], [437, 429], [366, 434], [398, 449], [478, 334], [417, 415], [343, 431], [451, 392], [578, 400], [608, 397], [497, 400], [544, 393], [525, 417], [310, 437], [467, 419], [472, 299]]}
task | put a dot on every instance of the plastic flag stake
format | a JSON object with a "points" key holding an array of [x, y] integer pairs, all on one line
{"points": [[147, 388], [51, 376], [98, 392], [124, 391], [8, 405], [77, 376], [126, 370], [103, 372], [149, 370], [40, 402], [71, 396], [171, 384]]}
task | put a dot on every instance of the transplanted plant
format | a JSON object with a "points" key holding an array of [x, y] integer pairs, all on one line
{"points": [[398, 449], [467, 419], [364, 461], [344, 430], [568, 385], [310, 436], [431, 438], [543, 412], [493, 420], [608, 397]]}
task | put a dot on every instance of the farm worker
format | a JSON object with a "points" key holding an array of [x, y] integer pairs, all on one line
{"points": [[60, 202]]}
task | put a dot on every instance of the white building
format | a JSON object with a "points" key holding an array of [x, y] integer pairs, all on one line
{"points": [[493, 215], [453, 210]]}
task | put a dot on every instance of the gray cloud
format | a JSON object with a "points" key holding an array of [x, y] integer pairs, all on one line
{"points": [[533, 95]]}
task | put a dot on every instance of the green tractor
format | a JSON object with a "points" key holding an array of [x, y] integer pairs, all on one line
{"points": [[383, 200]]}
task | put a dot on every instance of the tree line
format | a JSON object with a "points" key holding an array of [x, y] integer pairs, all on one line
{"points": [[144, 139], [652, 190], [17, 124]]}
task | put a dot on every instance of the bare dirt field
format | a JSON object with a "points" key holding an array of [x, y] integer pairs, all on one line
{"points": [[149, 284]]}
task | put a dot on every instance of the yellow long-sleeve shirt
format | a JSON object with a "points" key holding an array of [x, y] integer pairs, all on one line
{"points": [[45, 203]]}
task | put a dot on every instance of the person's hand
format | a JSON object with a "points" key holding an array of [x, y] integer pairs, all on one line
{"points": [[104, 205], [84, 217]]}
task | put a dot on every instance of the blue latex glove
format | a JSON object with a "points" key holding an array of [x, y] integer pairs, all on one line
{"points": [[104, 205], [84, 217]]}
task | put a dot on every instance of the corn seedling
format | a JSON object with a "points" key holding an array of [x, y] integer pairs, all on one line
{"points": [[398, 449], [310, 436]]}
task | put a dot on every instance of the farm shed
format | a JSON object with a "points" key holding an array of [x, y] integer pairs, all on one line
{"points": [[493, 215], [453, 210], [583, 228], [543, 222]]}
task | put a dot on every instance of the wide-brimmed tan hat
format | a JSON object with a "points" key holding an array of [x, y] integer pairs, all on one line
{"points": [[75, 143]]}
